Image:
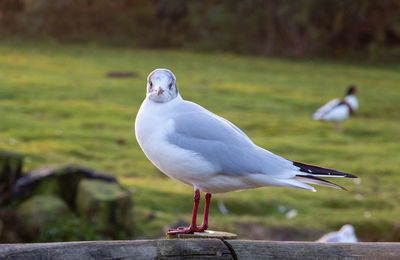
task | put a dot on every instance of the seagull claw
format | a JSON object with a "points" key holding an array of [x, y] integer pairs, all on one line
{"points": [[187, 230], [180, 230]]}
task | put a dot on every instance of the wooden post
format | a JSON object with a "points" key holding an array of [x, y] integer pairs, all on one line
{"points": [[199, 249], [246, 249], [139, 249]]}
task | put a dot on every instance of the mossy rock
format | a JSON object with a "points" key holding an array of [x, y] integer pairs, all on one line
{"points": [[10, 171], [71, 228], [40, 211], [59, 180], [106, 205]]}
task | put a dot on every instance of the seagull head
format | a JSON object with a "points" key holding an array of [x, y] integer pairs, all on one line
{"points": [[347, 230], [352, 90], [161, 86]]}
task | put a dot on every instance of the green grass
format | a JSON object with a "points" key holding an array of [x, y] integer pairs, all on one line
{"points": [[57, 106]]}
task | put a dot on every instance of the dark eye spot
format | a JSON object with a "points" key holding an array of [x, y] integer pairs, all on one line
{"points": [[170, 85], [151, 84]]}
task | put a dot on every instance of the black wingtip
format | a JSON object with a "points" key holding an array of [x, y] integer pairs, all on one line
{"points": [[348, 175], [325, 172]]}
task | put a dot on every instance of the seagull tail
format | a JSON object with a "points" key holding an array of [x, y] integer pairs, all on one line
{"points": [[318, 181], [295, 183], [317, 171], [311, 173], [317, 116]]}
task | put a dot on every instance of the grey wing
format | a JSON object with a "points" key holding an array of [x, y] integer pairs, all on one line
{"points": [[330, 237], [325, 108], [225, 146], [196, 109]]}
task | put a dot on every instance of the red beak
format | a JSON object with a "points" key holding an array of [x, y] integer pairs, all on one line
{"points": [[159, 91]]}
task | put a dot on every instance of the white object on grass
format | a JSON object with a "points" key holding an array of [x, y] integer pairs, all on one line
{"points": [[345, 234], [338, 110]]}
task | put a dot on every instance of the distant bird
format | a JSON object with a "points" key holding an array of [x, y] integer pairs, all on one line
{"points": [[192, 145], [345, 234], [338, 110]]}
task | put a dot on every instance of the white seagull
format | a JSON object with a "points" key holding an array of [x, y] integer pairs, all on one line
{"points": [[338, 110], [192, 145], [346, 235]]}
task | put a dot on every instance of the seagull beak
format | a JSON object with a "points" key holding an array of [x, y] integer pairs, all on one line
{"points": [[159, 91]]}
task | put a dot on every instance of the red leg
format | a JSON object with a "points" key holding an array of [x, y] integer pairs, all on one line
{"points": [[192, 227], [204, 226]]}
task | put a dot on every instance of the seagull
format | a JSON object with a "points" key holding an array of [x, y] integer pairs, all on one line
{"points": [[345, 234], [207, 152], [338, 110]]}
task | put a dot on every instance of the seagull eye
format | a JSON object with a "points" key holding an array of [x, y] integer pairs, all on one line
{"points": [[170, 85], [151, 84]]}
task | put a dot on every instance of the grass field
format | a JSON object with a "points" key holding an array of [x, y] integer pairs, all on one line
{"points": [[58, 106]]}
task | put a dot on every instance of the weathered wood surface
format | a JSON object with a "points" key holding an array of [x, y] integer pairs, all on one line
{"points": [[138, 249], [200, 249], [247, 249]]}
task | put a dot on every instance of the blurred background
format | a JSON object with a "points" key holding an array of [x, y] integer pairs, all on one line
{"points": [[305, 28], [73, 75]]}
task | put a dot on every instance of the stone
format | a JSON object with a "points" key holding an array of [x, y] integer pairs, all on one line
{"points": [[106, 205], [40, 211], [58, 180], [10, 171]]}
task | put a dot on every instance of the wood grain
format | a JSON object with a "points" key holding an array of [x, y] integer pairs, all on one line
{"points": [[139, 249], [200, 249], [246, 249]]}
